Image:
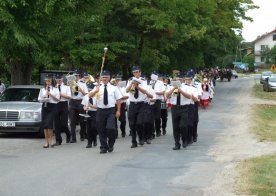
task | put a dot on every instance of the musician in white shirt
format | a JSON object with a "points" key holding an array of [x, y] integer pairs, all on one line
{"points": [[61, 119], [107, 96], [75, 107], [49, 96], [122, 90]]}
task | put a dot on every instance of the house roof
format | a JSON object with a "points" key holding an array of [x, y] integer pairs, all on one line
{"points": [[264, 36]]}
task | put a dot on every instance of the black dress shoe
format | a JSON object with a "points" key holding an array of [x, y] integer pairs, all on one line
{"points": [[195, 139], [164, 132], [57, 144], [95, 143], [46, 146], [185, 144], [103, 151], [68, 140], [82, 139], [148, 141], [89, 146], [52, 146], [111, 149], [123, 134], [176, 148], [158, 134], [73, 141], [141, 142], [133, 145]]}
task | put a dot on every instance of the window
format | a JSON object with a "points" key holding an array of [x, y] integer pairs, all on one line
{"points": [[262, 59], [274, 37], [263, 47]]}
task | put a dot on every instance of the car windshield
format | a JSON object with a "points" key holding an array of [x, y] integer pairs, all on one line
{"points": [[20, 94], [272, 79]]}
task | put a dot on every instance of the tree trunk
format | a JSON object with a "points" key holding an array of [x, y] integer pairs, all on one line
{"points": [[140, 49], [20, 74]]}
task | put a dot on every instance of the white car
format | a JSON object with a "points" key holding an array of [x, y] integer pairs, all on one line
{"points": [[265, 75], [20, 110]]}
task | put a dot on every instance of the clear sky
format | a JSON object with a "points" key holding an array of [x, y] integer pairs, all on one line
{"points": [[264, 20]]}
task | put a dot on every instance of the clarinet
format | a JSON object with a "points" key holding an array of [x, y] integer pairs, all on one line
{"points": [[48, 89]]}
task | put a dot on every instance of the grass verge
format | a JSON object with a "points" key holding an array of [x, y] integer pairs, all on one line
{"points": [[263, 122], [258, 176]]}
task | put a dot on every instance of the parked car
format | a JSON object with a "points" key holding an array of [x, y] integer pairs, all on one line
{"points": [[234, 73], [270, 84], [20, 110], [264, 75]]}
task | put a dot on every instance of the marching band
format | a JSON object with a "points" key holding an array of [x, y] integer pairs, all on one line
{"points": [[100, 106]]}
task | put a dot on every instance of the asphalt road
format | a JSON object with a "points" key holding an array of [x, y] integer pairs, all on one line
{"points": [[71, 169]]}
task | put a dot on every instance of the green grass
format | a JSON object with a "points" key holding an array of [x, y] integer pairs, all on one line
{"points": [[258, 176], [264, 122], [259, 93]]}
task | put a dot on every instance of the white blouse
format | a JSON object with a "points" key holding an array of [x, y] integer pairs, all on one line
{"points": [[43, 97]]}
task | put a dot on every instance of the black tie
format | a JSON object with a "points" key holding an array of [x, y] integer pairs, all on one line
{"points": [[91, 101], [105, 95], [178, 99], [136, 93], [59, 87]]}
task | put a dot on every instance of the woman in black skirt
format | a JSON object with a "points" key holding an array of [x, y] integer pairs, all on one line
{"points": [[49, 96]]}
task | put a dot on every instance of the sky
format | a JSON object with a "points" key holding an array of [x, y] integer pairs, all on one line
{"points": [[263, 20]]}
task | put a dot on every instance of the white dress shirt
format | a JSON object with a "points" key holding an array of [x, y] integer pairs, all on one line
{"points": [[85, 102], [150, 91], [172, 98], [158, 88], [113, 95], [65, 90], [83, 86], [141, 97], [187, 89], [43, 97]]}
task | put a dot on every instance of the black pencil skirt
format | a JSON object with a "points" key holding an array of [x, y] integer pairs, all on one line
{"points": [[48, 115]]}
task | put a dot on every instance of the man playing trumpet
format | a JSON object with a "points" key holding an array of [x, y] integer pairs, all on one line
{"points": [[76, 108]]}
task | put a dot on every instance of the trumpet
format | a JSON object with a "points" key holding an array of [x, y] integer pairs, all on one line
{"points": [[132, 89], [175, 92]]}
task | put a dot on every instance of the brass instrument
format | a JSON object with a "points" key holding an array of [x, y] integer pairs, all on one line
{"points": [[71, 81], [89, 79], [113, 82], [132, 89], [199, 78]]}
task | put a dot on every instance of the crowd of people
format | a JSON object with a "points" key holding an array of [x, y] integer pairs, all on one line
{"points": [[99, 108]]}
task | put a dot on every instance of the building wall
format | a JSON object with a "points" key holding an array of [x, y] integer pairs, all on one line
{"points": [[267, 41]]}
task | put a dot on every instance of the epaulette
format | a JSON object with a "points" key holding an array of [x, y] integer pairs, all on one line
{"points": [[81, 81], [142, 78], [193, 86]]}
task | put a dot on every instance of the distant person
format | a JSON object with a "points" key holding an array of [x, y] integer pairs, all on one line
{"points": [[2, 87]]}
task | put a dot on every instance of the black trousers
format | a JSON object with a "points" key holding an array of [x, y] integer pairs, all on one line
{"points": [[179, 121], [157, 115], [136, 120], [122, 118], [61, 121], [195, 120], [164, 118], [75, 108], [91, 127], [191, 116], [148, 121], [105, 122]]}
